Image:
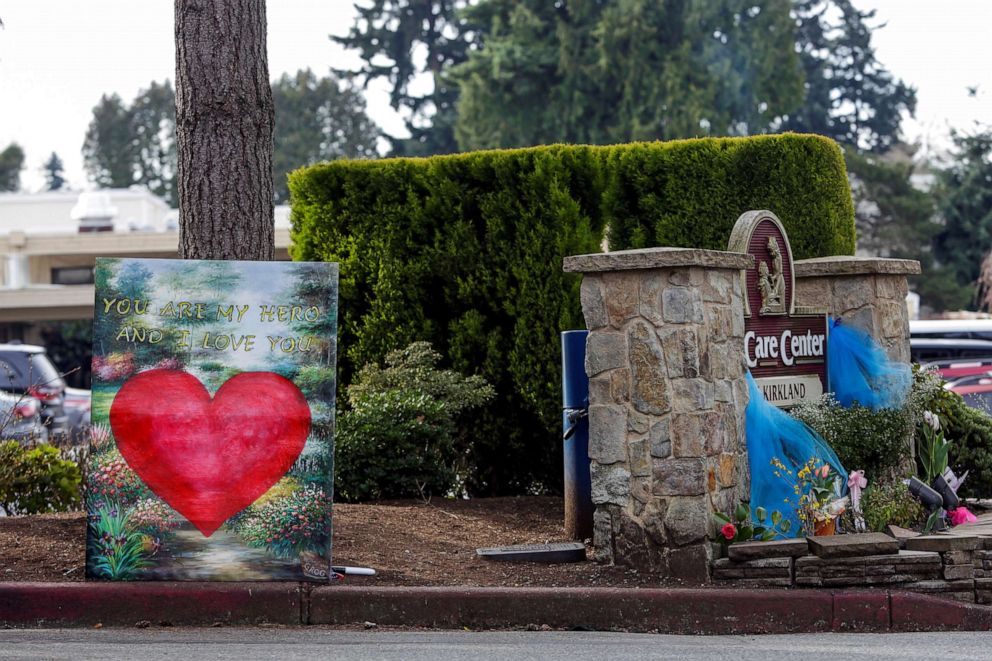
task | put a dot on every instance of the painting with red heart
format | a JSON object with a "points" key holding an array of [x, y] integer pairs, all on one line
{"points": [[213, 402]]}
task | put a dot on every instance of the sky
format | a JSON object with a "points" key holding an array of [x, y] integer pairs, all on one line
{"points": [[57, 57]]}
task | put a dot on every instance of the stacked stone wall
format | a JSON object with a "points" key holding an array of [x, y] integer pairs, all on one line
{"points": [[868, 293], [666, 418], [667, 392]]}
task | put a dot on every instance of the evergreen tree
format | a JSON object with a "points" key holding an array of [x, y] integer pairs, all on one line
{"points": [[134, 144], [107, 154], [965, 206], [11, 164], [850, 96], [619, 71], [54, 174], [152, 129], [390, 35], [317, 120], [894, 218]]}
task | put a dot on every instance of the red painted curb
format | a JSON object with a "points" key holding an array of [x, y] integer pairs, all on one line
{"points": [[921, 612], [669, 611], [861, 611], [688, 611], [124, 604]]}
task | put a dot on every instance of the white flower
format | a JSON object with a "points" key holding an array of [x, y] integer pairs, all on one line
{"points": [[932, 420]]}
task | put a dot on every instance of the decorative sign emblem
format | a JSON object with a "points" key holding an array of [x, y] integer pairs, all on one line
{"points": [[785, 346]]}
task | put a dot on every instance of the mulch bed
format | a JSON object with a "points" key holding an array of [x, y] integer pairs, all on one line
{"points": [[407, 542]]}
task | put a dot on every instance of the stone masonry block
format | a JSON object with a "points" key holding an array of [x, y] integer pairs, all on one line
{"points": [[607, 434], [687, 520], [610, 484], [851, 293], [649, 391], [651, 285], [605, 351], [620, 291], [679, 477], [682, 305], [593, 305], [660, 438]]}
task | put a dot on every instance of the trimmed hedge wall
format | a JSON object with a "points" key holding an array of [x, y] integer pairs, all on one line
{"points": [[689, 193], [465, 251]]}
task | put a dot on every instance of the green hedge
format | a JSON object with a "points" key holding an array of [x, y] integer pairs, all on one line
{"points": [[465, 251], [689, 193]]}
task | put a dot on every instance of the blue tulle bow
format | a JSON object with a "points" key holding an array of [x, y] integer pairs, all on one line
{"points": [[861, 373], [774, 434]]}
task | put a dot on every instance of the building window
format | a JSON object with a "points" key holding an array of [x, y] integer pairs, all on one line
{"points": [[73, 275]]}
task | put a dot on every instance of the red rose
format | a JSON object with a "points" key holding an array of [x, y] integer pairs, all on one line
{"points": [[728, 530]]}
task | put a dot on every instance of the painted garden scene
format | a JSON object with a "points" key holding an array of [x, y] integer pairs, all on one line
{"points": [[213, 413]]}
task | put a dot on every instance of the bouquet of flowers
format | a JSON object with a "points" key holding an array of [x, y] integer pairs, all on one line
{"points": [[818, 502]]}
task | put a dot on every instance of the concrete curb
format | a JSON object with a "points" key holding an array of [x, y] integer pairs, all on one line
{"points": [[678, 611]]}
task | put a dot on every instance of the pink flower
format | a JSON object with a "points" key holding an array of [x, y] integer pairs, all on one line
{"points": [[824, 470], [728, 530]]}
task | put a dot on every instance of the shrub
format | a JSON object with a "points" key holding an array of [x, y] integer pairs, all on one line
{"points": [[874, 441], [466, 250], [399, 437], [969, 431], [889, 502], [34, 480]]}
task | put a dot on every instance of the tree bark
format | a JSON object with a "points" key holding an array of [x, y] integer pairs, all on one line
{"points": [[224, 119]]}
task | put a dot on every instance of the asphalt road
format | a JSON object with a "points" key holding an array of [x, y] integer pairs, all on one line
{"points": [[244, 644]]}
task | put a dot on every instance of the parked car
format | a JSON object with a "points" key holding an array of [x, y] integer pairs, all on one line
{"points": [[20, 419], [931, 349], [976, 391], [959, 368], [25, 369], [77, 406], [951, 329]]}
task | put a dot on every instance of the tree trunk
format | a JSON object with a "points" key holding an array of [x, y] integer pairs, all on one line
{"points": [[224, 119]]}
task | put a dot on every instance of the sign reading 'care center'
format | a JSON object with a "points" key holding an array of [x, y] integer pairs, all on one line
{"points": [[785, 346]]}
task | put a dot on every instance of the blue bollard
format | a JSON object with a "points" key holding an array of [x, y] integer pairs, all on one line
{"points": [[575, 425]]}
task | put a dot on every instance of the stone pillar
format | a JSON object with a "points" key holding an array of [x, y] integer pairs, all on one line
{"points": [[666, 402], [867, 292]]}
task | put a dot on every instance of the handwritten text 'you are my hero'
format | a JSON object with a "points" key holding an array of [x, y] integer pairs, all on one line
{"points": [[186, 310]]}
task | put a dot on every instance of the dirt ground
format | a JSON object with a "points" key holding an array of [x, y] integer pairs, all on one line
{"points": [[406, 542]]}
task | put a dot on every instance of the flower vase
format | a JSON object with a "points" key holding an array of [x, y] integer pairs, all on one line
{"points": [[825, 527]]}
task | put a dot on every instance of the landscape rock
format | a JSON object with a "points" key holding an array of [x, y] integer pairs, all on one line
{"points": [[941, 543], [778, 548], [839, 546]]}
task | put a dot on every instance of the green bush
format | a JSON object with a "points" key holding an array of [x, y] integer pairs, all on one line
{"points": [[889, 502], [874, 441], [465, 251], [690, 193], [969, 431], [399, 439], [34, 480]]}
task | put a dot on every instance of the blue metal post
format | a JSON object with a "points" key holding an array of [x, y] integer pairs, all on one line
{"points": [[575, 423]]}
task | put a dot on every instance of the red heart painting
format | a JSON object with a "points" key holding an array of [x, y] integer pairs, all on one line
{"points": [[209, 458]]}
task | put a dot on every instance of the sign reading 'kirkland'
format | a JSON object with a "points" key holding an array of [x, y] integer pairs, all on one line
{"points": [[785, 346]]}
